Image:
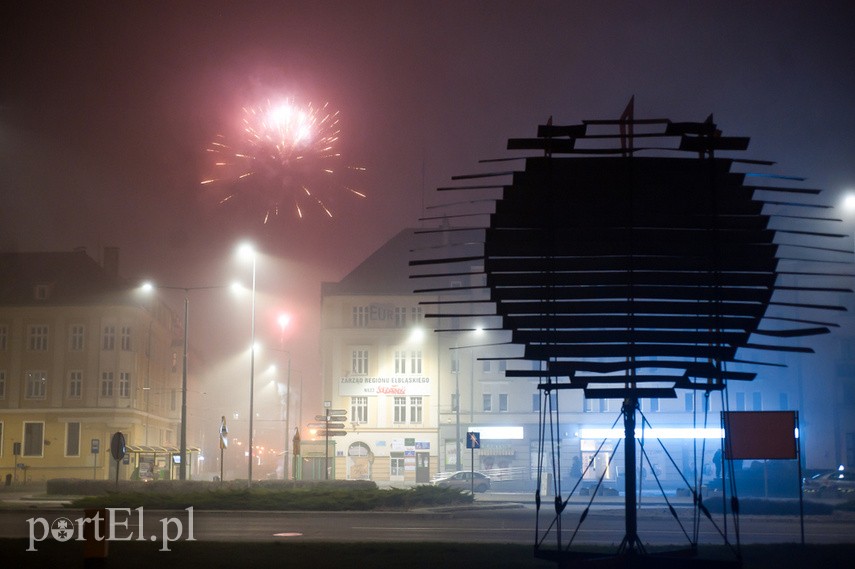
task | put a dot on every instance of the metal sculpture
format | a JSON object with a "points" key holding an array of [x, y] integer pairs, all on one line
{"points": [[633, 271]]}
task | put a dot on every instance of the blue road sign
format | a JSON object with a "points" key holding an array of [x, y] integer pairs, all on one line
{"points": [[473, 440]]}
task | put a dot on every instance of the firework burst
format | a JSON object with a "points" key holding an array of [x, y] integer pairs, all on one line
{"points": [[285, 157]]}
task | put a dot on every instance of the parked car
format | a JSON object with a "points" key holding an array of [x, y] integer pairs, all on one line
{"points": [[464, 480], [831, 484]]}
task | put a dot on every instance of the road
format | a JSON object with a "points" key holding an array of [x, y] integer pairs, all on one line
{"points": [[486, 522]]}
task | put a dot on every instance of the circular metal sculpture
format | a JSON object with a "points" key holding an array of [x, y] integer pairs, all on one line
{"points": [[631, 272]]}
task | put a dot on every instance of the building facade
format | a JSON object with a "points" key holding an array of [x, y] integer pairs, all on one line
{"points": [[414, 380], [83, 356]]}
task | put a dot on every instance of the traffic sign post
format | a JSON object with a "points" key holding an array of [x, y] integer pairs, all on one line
{"points": [[117, 450], [224, 442], [473, 441], [95, 448], [16, 451], [333, 422]]}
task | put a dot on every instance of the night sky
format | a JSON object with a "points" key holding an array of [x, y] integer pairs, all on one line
{"points": [[106, 109]]}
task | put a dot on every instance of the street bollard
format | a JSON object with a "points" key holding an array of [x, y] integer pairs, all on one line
{"points": [[95, 538]]}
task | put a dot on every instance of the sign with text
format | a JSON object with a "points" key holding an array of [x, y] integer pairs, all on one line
{"points": [[354, 386]]}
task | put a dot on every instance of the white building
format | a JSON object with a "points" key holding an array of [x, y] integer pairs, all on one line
{"points": [[413, 384]]}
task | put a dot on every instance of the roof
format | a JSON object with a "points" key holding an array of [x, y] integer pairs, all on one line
{"points": [[384, 272], [69, 277]]}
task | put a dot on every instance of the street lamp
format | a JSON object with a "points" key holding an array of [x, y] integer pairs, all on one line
{"points": [[849, 208], [248, 250], [182, 450], [283, 320]]}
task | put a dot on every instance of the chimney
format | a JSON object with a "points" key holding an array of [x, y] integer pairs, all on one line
{"points": [[111, 261]]}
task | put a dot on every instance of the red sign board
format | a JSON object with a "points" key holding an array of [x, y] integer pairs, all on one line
{"points": [[760, 435]]}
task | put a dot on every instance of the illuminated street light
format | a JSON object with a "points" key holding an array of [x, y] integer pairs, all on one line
{"points": [[149, 287], [248, 250], [284, 319]]}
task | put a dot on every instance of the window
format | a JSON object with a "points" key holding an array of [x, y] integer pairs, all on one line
{"points": [[38, 338], [400, 316], [109, 342], [487, 399], [455, 363], [400, 361], [654, 404], [415, 409], [173, 400], [34, 438], [553, 401], [689, 401], [75, 384], [740, 401], [486, 366], [124, 384], [400, 409], [126, 338], [757, 401], [36, 387], [360, 316], [596, 405], [415, 358], [396, 464], [503, 402], [107, 384], [416, 314], [455, 402], [75, 338], [359, 361], [2, 384], [41, 292], [416, 361], [359, 409], [503, 366], [784, 402], [72, 439], [4, 338]]}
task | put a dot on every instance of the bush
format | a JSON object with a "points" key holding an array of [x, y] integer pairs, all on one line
{"points": [[332, 495], [81, 487]]}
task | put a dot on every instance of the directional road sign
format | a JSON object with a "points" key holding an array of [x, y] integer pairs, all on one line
{"points": [[326, 425], [325, 433]]}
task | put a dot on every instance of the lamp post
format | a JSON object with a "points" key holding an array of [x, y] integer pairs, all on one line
{"points": [[247, 249], [849, 208], [182, 449], [283, 320]]}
